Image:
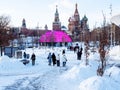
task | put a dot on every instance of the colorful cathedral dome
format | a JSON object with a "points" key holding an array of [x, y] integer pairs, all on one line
{"points": [[85, 18]]}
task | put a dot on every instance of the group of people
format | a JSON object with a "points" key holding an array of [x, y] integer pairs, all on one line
{"points": [[52, 59], [78, 50], [33, 57], [56, 59]]}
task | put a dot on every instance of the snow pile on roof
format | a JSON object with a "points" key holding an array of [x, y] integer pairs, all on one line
{"points": [[116, 20]]}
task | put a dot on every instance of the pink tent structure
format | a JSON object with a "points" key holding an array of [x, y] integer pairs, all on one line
{"points": [[55, 36]]}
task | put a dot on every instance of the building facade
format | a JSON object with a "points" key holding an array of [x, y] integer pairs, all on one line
{"points": [[77, 27]]}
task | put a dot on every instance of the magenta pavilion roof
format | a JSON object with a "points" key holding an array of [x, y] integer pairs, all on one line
{"points": [[55, 36]]}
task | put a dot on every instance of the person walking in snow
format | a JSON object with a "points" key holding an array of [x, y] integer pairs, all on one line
{"points": [[64, 59], [58, 59], [76, 48], [49, 58], [24, 55], [33, 57], [79, 53], [63, 51], [81, 49], [53, 59]]}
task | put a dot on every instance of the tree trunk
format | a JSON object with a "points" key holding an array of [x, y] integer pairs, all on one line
{"points": [[1, 50]]}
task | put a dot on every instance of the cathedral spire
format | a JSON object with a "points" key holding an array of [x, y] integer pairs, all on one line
{"points": [[23, 23], [76, 10], [76, 14], [76, 5]]}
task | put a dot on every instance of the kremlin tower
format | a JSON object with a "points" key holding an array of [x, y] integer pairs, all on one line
{"points": [[56, 23]]}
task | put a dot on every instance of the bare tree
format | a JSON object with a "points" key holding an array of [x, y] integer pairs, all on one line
{"points": [[86, 48], [103, 49], [5, 33]]}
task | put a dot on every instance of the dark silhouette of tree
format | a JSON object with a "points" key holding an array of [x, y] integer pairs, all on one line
{"points": [[5, 33], [86, 41], [103, 49]]}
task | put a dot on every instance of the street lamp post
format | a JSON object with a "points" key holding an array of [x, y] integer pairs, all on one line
{"points": [[111, 34], [111, 24], [114, 33]]}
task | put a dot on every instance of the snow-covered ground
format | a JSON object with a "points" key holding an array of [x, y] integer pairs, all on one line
{"points": [[75, 76]]}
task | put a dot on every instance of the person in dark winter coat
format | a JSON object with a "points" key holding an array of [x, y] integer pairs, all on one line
{"points": [[49, 58], [33, 57], [81, 49], [24, 55], [63, 52], [79, 53], [76, 48], [53, 59]]}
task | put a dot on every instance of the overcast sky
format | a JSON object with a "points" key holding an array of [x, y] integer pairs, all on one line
{"points": [[41, 12]]}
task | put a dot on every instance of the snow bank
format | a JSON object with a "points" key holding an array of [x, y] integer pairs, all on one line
{"points": [[8, 65], [99, 83], [114, 73], [115, 53]]}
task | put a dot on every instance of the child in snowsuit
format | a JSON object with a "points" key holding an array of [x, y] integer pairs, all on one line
{"points": [[49, 58]]}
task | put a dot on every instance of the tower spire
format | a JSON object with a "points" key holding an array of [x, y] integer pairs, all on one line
{"points": [[56, 15], [56, 23], [76, 14], [56, 9], [76, 5], [23, 23], [76, 10]]}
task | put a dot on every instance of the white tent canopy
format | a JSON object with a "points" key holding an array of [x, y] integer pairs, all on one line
{"points": [[116, 20]]}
